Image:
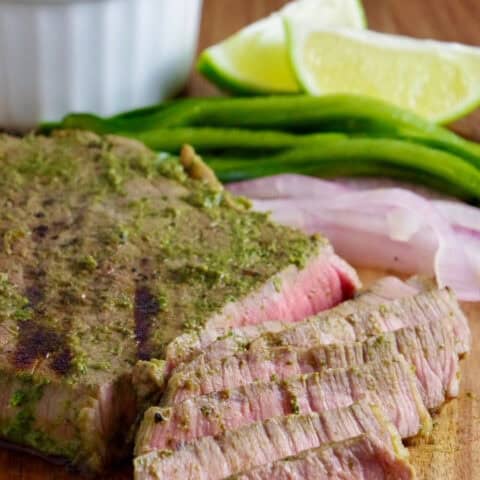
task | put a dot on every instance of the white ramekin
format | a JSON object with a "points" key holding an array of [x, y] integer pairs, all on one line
{"points": [[102, 56]]}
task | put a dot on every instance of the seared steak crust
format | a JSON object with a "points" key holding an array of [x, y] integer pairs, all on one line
{"points": [[429, 347]]}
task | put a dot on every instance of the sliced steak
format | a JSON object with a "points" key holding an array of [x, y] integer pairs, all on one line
{"points": [[360, 458], [260, 443], [361, 322], [106, 255], [429, 347], [221, 342], [390, 383]]}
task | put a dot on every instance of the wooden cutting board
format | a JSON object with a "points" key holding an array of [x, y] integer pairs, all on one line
{"points": [[453, 452]]}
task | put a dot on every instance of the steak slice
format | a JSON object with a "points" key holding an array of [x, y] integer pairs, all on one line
{"points": [[359, 458], [107, 253], [428, 306], [221, 342], [260, 443], [430, 348], [389, 383]]}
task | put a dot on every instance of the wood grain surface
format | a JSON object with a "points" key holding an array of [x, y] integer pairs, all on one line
{"points": [[453, 452]]}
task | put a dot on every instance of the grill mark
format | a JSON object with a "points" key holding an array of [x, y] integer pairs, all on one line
{"points": [[145, 310], [62, 360], [40, 232], [35, 341], [35, 295], [39, 341]]}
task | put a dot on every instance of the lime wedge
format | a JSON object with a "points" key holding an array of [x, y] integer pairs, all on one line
{"points": [[255, 60], [440, 81]]}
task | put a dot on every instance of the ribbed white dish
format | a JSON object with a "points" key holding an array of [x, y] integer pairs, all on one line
{"points": [[102, 56]]}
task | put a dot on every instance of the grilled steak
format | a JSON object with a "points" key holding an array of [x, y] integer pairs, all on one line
{"points": [[360, 458], [260, 443], [108, 253], [219, 343], [390, 384], [429, 347]]}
